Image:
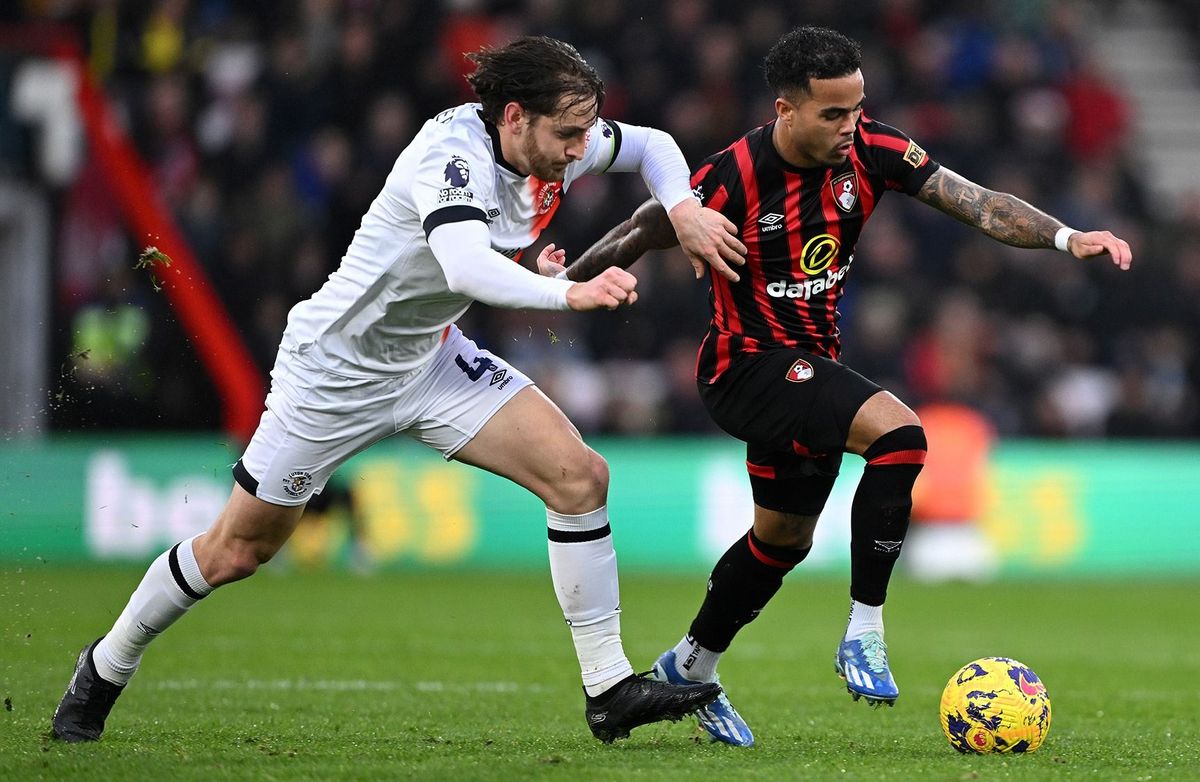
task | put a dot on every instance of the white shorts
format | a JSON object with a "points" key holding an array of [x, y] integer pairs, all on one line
{"points": [[316, 420]]}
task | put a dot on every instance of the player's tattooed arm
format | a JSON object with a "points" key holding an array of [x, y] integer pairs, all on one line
{"points": [[1008, 219], [1001, 216], [648, 229]]}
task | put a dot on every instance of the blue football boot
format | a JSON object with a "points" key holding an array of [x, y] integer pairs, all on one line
{"points": [[863, 663], [719, 718]]}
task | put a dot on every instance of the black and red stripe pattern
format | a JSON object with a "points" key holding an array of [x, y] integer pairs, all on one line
{"points": [[800, 226]]}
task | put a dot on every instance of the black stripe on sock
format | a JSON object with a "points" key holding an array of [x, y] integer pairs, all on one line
{"points": [[573, 536], [245, 479], [180, 581]]}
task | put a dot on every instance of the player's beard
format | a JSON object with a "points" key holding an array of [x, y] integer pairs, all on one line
{"points": [[543, 166]]}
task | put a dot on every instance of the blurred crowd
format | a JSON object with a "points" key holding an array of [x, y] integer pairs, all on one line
{"points": [[270, 127]]}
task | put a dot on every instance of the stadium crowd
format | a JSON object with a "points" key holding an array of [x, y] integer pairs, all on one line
{"points": [[270, 127]]}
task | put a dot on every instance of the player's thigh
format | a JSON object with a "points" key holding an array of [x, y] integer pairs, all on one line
{"points": [[478, 409], [532, 443], [247, 520]]}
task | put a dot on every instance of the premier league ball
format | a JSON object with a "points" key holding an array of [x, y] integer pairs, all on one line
{"points": [[995, 705]]}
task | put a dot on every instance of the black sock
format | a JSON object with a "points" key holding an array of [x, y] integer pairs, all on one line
{"points": [[744, 579], [880, 511]]}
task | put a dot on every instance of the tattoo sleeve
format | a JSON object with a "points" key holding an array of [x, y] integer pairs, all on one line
{"points": [[648, 229], [1001, 216]]}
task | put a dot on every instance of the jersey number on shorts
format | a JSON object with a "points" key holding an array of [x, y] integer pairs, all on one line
{"points": [[482, 364]]}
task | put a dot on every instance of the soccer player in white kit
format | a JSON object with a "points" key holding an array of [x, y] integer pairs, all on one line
{"points": [[375, 352]]}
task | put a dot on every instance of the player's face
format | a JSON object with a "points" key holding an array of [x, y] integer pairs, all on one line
{"points": [[551, 142], [817, 128]]}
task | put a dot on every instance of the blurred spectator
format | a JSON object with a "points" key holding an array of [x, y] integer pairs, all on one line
{"points": [[269, 128]]}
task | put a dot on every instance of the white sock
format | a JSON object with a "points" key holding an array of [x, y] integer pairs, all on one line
{"points": [[583, 567], [864, 619], [695, 663], [170, 587]]}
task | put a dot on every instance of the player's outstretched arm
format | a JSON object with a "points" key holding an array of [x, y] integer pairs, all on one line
{"points": [[648, 229], [1008, 219]]}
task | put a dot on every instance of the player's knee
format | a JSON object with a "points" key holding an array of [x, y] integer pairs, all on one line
{"points": [[904, 444], [582, 484], [795, 533], [237, 559]]}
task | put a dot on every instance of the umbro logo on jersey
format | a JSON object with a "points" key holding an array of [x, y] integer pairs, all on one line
{"points": [[888, 546], [500, 377], [770, 222]]}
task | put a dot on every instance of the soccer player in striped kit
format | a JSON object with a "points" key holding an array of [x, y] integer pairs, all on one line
{"points": [[375, 352], [800, 190]]}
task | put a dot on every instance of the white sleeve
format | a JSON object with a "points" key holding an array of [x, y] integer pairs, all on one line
{"points": [[655, 155], [474, 269]]}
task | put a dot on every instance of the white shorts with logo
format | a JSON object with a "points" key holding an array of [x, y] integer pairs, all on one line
{"points": [[316, 420]]}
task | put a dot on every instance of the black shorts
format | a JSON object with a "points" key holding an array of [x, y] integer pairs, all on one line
{"points": [[793, 410]]}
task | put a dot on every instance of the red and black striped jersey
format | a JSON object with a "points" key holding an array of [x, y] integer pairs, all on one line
{"points": [[799, 226]]}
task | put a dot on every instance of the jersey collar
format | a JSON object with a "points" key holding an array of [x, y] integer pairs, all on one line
{"points": [[494, 134]]}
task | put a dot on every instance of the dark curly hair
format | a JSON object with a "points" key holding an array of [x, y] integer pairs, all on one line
{"points": [[809, 53], [536, 72]]}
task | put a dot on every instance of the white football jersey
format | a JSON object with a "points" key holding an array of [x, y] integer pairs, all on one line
{"points": [[385, 308]]}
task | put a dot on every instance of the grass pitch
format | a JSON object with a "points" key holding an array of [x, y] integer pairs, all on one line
{"points": [[303, 675]]}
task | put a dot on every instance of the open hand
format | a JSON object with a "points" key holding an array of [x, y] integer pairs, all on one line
{"points": [[1088, 244], [551, 261]]}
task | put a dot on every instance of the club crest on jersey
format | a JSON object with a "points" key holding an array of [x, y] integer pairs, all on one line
{"points": [[297, 482], [800, 371], [845, 191], [457, 172], [545, 196]]}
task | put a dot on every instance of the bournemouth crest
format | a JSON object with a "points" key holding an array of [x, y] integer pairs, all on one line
{"points": [[800, 371], [845, 190]]}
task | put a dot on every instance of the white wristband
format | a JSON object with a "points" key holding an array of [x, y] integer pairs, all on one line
{"points": [[1060, 238], [561, 275]]}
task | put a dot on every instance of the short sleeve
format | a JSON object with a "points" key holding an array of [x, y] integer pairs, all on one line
{"points": [[452, 183], [893, 156]]}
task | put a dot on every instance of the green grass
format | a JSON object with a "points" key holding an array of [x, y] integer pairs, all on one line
{"points": [[471, 676]]}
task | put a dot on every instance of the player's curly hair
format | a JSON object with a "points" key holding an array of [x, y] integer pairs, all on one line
{"points": [[536, 72], [806, 53]]}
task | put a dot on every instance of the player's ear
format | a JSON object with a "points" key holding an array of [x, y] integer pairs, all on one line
{"points": [[514, 116], [784, 109]]}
